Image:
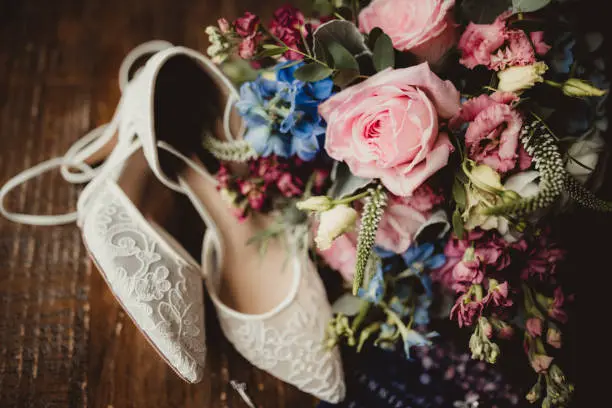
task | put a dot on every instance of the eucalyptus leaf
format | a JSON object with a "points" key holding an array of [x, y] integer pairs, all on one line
{"points": [[312, 72], [528, 6], [271, 52], [323, 7], [459, 194], [384, 54], [484, 11], [373, 36], [348, 305], [458, 226], [345, 77], [343, 32], [344, 182], [341, 57], [436, 227]]}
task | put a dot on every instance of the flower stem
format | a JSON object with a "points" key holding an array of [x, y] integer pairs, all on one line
{"points": [[363, 312], [347, 200], [281, 42], [553, 83]]}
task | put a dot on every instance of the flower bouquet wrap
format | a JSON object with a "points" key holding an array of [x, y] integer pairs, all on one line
{"points": [[427, 146]]}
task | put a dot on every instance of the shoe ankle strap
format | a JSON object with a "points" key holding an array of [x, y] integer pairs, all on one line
{"points": [[77, 155]]}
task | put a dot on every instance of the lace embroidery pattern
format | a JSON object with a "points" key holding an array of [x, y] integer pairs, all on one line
{"points": [[158, 289], [289, 344]]}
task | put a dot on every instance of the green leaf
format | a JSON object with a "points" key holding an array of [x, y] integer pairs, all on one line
{"points": [[458, 226], [344, 182], [384, 54], [345, 77], [484, 12], [323, 7], [528, 6], [341, 57], [343, 32], [373, 36], [312, 72], [459, 194], [271, 52]]}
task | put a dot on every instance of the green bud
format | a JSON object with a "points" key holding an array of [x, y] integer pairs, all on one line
{"points": [[317, 204], [535, 393], [578, 88]]}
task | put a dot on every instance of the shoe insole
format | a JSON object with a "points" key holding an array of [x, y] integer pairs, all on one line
{"points": [[250, 283]]}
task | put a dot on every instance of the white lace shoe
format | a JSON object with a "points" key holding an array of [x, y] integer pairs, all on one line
{"points": [[274, 315]]}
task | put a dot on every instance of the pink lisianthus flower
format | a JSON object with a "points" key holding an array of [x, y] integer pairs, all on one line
{"points": [[492, 136], [403, 218], [537, 38], [423, 27], [519, 51], [342, 255], [480, 41], [534, 327], [288, 26], [387, 127], [497, 47]]}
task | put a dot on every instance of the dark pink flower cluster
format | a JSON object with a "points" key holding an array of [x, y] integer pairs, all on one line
{"points": [[288, 26], [498, 47], [543, 258], [247, 27], [470, 259], [471, 304], [270, 178]]}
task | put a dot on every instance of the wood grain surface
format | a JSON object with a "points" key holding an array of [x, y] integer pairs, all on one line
{"points": [[64, 341]]}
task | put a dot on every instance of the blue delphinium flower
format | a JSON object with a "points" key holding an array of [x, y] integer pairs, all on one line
{"points": [[419, 258], [413, 338], [376, 287], [282, 115]]}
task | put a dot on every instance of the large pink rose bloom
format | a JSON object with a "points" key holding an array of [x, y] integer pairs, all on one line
{"points": [[492, 136], [387, 126], [403, 218], [342, 255], [423, 27]]}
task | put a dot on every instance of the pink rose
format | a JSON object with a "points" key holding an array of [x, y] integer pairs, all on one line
{"points": [[403, 218], [492, 137], [386, 127], [479, 41], [423, 27], [342, 255]]}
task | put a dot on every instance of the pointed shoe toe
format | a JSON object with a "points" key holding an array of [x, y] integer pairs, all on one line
{"points": [[156, 282], [287, 341]]}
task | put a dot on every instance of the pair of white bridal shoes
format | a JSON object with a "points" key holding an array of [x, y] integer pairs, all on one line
{"points": [[272, 308]]}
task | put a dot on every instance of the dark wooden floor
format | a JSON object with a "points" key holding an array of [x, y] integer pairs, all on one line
{"points": [[64, 341]]}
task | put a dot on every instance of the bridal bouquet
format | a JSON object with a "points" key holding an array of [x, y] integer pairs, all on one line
{"points": [[432, 144]]}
